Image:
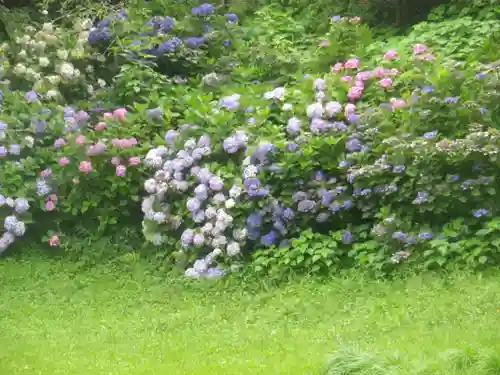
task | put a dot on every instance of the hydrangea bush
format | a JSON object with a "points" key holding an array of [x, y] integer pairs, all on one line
{"points": [[379, 160]]}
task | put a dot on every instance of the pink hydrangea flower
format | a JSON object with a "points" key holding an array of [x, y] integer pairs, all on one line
{"points": [[391, 55], [120, 114], [53, 197], [115, 160], [398, 103], [85, 167], [352, 64], [324, 43], [96, 149], [59, 143], [54, 241], [386, 83], [355, 20], [64, 161], [347, 79], [364, 76], [379, 72], [100, 126], [393, 72], [337, 68], [419, 48], [355, 93], [108, 116], [46, 173], [120, 170], [134, 160], [50, 206], [359, 84], [429, 57], [80, 140]]}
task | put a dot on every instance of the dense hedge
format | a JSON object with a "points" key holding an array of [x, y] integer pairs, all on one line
{"points": [[250, 139]]}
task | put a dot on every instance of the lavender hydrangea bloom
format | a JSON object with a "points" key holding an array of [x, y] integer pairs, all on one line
{"points": [[204, 10], [347, 238], [354, 145], [31, 96], [3, 152], [293, 126], [306, 205], [216, 183], [43, 188], [425, 236], [193, 204], [230, 103], [171, 136], [21, 205], [430, 135]]}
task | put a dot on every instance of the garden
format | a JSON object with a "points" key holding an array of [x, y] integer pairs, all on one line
{"points": [[265, 187]]}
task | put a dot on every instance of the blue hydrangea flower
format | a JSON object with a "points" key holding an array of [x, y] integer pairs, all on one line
{"points": [[347, 238], [481, 212]]}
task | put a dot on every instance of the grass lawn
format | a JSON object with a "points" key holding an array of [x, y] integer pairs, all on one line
{"points": [[107, 321]]}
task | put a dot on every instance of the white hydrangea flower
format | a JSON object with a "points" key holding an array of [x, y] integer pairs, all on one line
{"points": [[10, 202], [150, 186], [333, 108], [240, 234], [19, 69], [235, 191], [219, 241], [160, 217], [207, 228], [210, 212], [230, 203], [315, 110], [66, 70], [233, 249], [250, 171], [43, 62], [51, 94], [192, 273]]}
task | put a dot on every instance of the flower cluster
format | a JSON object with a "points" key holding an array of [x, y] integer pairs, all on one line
{"points": [[13, 225]]}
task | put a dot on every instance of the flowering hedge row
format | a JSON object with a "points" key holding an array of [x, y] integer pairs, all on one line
{"points": [[391, 148]]}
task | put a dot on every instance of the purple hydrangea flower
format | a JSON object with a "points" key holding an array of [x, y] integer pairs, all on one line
{"points": [[354, 145], [269, 239], [421, 198], [481, 212], [430, 135], [347, 238], [306, 205]]}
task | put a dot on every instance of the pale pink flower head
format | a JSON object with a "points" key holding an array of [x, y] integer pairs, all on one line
{"points": [[50, 206], [134, 160], [116, 142], [53, 197], [359, 84], [115, 160], [346, 79], [108, 116], [352, 64], [349, 109], [379, 72], [419, 48], [398, 103], [120, 170], [355, 93], [100, 127], [85, 167], [81, 116], [96, 149], [64, 161], [337, 68], [386, 83], [120, 114], [355, 20], [46, 173], [54, 241], [132, 142], [80, 140], [59, 143], [324, 43], [364, 76], [391, 55]]}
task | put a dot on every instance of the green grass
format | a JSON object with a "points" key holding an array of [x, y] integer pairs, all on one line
{"points": [[110, 321]]}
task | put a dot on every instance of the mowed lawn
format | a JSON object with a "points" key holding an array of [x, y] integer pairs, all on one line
{"points": [[110, 320]]}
